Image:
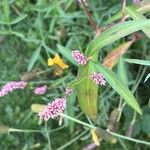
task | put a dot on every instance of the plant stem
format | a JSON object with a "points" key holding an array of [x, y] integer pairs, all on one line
{"points": [[93, 23], [120, 109], [128, 138], [139, 80], [112, 133], [27, 131], [134, 118], [48, 136], [78, 121]]}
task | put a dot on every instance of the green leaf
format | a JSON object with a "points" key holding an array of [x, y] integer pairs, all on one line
{"points": [[70, 110], [145, 124], [3, 22], [122, 72], [12, 32], [137, 16], [5, 32], [137, 61], [87, 93], [147, 77], [114, 34], [18, 19], [34, 58], [142, 9], [17, 34], [6, 10], [66, 53], [136, 128], [118, 86], [76, 82]]}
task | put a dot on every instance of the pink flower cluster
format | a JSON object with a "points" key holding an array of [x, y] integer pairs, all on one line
{"points": [[79, 57], [40, 90], [10, 86], [52, 110], [98, 78], [136, 1], [79, 1], [69, 91]]}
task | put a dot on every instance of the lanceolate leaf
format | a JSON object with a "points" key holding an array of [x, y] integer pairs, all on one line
{"points": [[34, 58], [118, 86], [76, 82], [137, 16], [87, 93], [70, 110], [18, 19], [137, 61], [121, 70], [115, 34], [6, 10], [147, 77]]}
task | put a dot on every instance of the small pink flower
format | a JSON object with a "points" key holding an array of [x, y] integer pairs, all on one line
{"points": [[79, 57], [3, 93], [79, 1], [53, 110], [98, 78], [10, 86], [98, 32], [136, 1], [68, 91], [40, 90]]}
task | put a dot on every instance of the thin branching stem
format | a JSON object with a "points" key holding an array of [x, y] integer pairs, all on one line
{"points": [[48, 136], [93, 23], [112, 133]]}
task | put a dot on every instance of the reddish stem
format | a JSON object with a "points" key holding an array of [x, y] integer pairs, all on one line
{"points": [[93, 23], [123, 9]]}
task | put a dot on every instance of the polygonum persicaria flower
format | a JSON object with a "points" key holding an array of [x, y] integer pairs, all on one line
{"points": [[98, 78], [40, 90], [53, 110], [79, 57], [10, 86], [68, 91], [98, 32], [79, 1], [136, 1]]}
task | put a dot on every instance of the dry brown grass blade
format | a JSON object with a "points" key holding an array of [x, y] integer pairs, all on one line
{"points": [[112, 58]]}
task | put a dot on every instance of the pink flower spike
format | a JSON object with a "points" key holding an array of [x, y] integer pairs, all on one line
{"points": [[98, 78], [3, 93], [40, 90], [79, 57], [10, 86], [69, 91], [53, 110], [136, 1]]}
